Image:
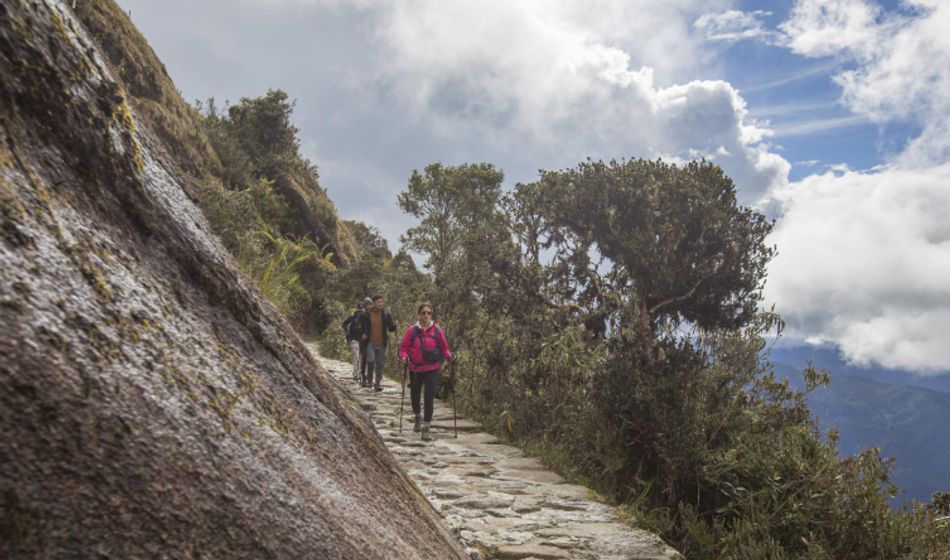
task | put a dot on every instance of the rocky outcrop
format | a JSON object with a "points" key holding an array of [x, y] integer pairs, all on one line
{"points": [[152, 404]]}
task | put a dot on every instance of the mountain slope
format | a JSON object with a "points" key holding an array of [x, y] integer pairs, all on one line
{"points": [[909, 423], [152, 403], [153, 95]]}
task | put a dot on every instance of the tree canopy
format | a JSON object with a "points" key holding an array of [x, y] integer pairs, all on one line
{"points": [[676, 238]]}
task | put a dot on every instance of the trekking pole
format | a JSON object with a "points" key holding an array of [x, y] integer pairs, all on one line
{"points": [[455, 417], [402, 401]]}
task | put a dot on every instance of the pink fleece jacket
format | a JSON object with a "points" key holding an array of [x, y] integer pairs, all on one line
{"points": [[410, 347]]}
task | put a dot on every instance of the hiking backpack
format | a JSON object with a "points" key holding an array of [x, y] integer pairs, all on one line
{"points": [[355, 331], [429, 355]]}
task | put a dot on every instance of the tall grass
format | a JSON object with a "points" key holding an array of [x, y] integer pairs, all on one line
{"points": [[275, 264]]}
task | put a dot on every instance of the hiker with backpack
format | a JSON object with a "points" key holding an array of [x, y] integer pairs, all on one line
{"points": [[423, 349], [353, 329], [377, 324]]}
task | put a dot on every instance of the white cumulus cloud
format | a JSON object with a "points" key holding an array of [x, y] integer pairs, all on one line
{"points": [[865, 262], [830, 27], [596, 79], [865, 256]]}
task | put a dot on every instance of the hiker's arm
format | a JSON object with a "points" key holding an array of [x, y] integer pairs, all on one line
{"points": [[444, 346], [405, 346]]}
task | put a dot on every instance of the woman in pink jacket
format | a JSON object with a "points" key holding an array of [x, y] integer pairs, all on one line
{"points": [[423, 348]]}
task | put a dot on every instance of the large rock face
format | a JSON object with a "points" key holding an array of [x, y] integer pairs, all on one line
{"points": [[152, 404]]}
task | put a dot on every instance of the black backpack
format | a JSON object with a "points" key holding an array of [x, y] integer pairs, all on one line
{"points": [[429, 355], [355, 331]]}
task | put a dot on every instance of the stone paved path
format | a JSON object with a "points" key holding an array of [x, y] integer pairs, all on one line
{"points": [[500, 503]]}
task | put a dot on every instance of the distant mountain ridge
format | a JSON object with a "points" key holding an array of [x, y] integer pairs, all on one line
{"points": [[909, 423], [831, 359]]}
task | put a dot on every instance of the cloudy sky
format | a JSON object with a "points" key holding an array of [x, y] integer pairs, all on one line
{"points": [[831, 116]]}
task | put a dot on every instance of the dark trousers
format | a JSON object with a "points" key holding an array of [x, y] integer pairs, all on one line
{"points": [[416, 380], [376, 356], [363, 345]]}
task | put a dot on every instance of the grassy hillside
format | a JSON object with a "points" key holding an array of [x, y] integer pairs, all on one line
{"points": [[262, 198], [150, 90]]}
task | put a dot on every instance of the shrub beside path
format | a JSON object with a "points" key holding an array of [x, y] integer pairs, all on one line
{"points": [[500, 503]]}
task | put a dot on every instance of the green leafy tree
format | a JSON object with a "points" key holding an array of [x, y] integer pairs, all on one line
{"points": [[461, 232], [940, 503], [454, 205], [262, 129], [677, 239], [369, 241]]}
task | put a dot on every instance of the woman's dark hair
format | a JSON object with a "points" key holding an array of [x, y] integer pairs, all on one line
{"points": [[423, 305]]}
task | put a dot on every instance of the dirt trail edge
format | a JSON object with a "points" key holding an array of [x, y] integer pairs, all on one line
{"points": [[500, 503]]}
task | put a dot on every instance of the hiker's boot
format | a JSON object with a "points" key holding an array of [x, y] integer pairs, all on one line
{"points": [[417, 425], [377, 387], [425, 433]]}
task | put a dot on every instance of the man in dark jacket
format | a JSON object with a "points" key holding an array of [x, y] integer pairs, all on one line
{"points": [[377, 324], [353, 329]]}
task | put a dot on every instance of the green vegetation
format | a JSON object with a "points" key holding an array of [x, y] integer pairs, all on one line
{"points": [[243, 167], [265, 204], [152, 93], [674, 415]]}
